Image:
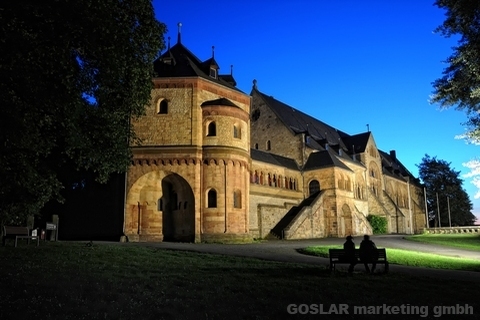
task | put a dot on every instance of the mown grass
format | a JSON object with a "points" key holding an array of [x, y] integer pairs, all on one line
{"points": [[411, 258], [460, 240], [127, 281]]}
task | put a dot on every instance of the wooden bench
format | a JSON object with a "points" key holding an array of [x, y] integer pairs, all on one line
{"points": [[337, 256], [16, 233]]}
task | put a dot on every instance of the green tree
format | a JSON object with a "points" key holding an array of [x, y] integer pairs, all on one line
{"points": [[441, 180], [460, 84], [72, 74]]}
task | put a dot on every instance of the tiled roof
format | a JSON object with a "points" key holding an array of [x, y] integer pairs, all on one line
{"points": [[300, 122], [273, 159], [394, 168]]}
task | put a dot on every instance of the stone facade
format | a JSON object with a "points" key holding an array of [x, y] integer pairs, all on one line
{"points": [[215, 164]]}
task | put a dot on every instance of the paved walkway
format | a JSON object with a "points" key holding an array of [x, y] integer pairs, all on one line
{"points": [[286, 251]]}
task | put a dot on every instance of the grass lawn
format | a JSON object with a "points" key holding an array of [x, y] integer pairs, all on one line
{"points": [[460, 240], [412, 258], [126, 281]]}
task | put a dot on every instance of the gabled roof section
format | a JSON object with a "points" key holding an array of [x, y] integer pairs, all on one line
{"points": [[358, 141], [178, 61], [299, 122], [273, 159], [323, 159], [210, 63], [228, 78], [220, 102]]}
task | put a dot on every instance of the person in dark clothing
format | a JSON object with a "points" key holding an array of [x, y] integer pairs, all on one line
{"points": [[368, 253], [349, 248]]}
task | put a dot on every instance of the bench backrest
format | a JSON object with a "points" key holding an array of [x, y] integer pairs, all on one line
{"points": [[338, 253], [15, 230]]}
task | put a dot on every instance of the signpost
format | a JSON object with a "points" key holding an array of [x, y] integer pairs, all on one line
{"points": [[53, 227]]}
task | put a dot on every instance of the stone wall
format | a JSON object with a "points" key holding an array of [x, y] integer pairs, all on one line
{"points": [[266, 210], [269, 128], [309, 223]]}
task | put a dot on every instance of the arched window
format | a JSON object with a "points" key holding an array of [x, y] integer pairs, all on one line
{"points": [[237, 199], [212, 129], [313, 187], [256, 146], [269, 145], [212, 198], [163, 107], [237, 132]]}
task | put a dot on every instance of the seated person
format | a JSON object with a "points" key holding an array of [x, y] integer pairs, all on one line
{"points": [[368, 253], [349, 247]]}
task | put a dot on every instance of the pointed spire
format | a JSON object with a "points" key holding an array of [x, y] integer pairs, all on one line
{"points": [[255, 84], [168, 43], [213, 51], [231, 69], [179, 39]]}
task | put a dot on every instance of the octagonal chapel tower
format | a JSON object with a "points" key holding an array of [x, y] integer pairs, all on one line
{"points": [[189, 179]]}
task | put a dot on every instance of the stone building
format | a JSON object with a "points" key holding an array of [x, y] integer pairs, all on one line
{"points": [[217, 164]]}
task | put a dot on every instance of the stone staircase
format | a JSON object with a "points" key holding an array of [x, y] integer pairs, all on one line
{"points": [[278, 231]]}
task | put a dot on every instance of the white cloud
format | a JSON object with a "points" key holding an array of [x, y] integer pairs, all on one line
{"points": [[474, 174]]}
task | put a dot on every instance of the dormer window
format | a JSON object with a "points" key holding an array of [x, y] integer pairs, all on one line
{"points": [[213, 73]]}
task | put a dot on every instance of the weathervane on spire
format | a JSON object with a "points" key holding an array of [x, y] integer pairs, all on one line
{"points": [[179, 40]]}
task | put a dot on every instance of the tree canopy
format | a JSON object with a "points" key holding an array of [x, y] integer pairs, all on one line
{"points": [[442, 183], [72, 74], [460, 84]]}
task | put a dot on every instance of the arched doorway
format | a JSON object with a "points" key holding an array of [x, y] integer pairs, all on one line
{"points": [[178, 212], [160, 206]]}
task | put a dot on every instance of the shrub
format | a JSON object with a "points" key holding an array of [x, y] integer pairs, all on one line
{"points": [[379, 224]]}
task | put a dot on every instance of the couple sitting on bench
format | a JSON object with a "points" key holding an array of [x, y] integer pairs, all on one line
{"points": [[368, 253]]}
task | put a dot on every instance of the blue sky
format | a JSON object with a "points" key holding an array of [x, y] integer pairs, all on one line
{"points": [[347, 63]]}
